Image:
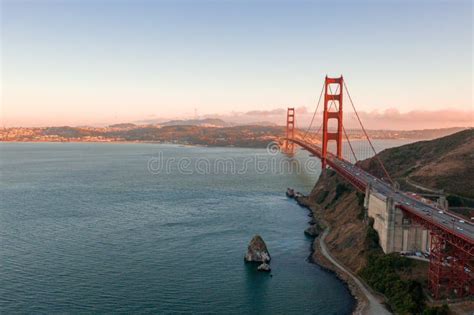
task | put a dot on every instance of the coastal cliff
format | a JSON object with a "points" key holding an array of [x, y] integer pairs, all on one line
{"points": [[335, 203], [353, 242]]}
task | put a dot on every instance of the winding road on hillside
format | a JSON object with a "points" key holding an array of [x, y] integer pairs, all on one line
{"points": [[374, 306]]}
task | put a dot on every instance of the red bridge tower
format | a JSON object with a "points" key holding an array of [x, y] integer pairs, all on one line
{"points": [[290, 131], [336, 100]]}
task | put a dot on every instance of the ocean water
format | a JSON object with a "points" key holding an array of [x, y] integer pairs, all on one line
{"points": [[146, 228]]}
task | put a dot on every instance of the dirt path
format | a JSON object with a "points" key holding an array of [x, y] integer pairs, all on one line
{"points": [[374, 306]]}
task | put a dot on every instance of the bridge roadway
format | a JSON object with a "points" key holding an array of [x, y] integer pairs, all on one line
{"points": [[424, 211]]}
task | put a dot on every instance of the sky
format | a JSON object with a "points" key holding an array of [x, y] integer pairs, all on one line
{"points": [[108, 61]]}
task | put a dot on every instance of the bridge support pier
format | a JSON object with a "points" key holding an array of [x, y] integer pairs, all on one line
{"points": [[390, 224], [451, 265], [450, 275], [437, 271], [368, 188]]}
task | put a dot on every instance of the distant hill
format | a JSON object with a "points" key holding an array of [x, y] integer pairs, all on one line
{"points": [[123, 125], [66, 131], [424, 134], [207, 122], [241, 136], [261, 123], [445, 163]]}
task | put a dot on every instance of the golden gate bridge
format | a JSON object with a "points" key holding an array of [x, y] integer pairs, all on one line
{"points": [[451, 249]]}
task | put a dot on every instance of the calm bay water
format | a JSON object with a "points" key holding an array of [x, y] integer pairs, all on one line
{"points": [[107, 228]]}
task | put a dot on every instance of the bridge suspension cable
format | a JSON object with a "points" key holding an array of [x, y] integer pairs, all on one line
{"points": [[367, 136], [314, 114], [365, 149], [349, 142]]}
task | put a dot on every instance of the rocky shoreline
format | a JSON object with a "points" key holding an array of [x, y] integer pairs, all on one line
{"points": [[317, 226]]}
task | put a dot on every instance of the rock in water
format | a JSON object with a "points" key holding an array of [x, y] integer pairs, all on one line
{"points": [[264, 267], [257, 250], [290, 193], [313, 230]]}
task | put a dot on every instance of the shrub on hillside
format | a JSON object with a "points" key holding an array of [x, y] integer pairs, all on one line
{"points": [[340, 189], [404, 296]]}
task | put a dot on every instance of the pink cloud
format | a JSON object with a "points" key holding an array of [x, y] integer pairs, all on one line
{"points": [[417, 119], [390, 118]]}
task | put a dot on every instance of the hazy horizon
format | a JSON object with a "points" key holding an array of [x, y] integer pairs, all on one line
{"points": [[104, 62], [376, 120]]}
